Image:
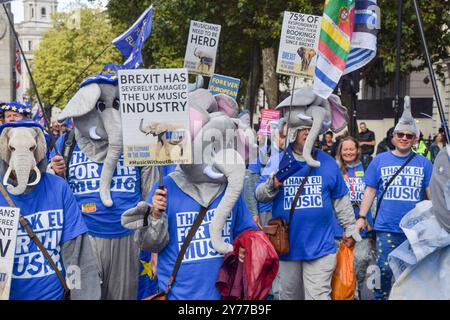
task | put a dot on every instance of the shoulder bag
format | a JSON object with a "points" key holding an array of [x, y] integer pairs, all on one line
{"points": [[198, 221]]}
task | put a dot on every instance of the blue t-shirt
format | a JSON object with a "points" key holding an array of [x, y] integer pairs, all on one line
{"points": [[84, 179], [312, 229], [198, 272], [404, 192], [354, 179], [52, 212]]}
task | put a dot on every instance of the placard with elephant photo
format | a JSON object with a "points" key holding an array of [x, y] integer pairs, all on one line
{"points": [[155, 116], [201, 49], [299, 44]]}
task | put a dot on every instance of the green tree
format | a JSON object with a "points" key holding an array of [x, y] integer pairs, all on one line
{"points": [[247, 28], [251, 31], [68, 48]]}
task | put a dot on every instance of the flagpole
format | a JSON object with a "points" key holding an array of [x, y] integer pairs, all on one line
{"points": [[431, 71], [396, 102], [290, 107], [47, 120]]}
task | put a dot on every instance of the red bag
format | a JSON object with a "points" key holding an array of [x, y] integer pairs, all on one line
{"points": [[343, 284]]}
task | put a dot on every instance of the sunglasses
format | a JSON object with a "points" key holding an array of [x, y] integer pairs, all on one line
{"points": [[402, 135]]}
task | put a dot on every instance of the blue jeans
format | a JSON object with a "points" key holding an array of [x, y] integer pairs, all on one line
{"points": [[386, 243]]}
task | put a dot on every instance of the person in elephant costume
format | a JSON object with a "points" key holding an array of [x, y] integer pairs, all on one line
{"points": [[103, 186], [50, 208], [306, 271], [215, 181]]}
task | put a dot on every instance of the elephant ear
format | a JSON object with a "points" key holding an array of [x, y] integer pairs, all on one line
{"points": [[203, 99], [82, 102], [339, 115], [5, 154], [246, 140], [198, 117], [227, 105], [41, 145]]}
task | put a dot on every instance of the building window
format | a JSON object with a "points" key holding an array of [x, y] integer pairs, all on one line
{"points": [[31, 11], [43, 12], [30, 45]]}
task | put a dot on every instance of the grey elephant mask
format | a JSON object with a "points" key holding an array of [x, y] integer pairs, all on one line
{"points": [[95, 110], [218, 161], [22, 149], [311, 111]]}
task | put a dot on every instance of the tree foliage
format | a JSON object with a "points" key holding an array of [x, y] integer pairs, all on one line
{"points": [[70, 47], [246, 22]]}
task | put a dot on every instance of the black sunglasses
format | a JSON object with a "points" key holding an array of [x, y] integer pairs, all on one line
{"points": [[408, 136]]}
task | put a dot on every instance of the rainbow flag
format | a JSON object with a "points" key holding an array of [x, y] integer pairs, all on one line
{"points": [[334, 45]]}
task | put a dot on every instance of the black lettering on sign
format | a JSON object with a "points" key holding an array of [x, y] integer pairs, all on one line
{"points": [[4, 249]]}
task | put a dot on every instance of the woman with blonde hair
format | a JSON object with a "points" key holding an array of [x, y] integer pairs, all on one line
{"points": [[348, 157]]}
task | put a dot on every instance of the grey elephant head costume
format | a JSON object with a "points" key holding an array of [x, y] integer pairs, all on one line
{"points": [[311, 111], [95, 110], [22, 154], [218, 162]]}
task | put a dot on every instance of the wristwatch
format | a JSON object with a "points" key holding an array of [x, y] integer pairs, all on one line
{"points": [[361, 217]]}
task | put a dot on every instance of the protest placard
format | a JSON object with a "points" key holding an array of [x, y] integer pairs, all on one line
{"points": [[201, 50], [223, 84], [267, 115], [299, 44], [9, 220], [155, 116]]}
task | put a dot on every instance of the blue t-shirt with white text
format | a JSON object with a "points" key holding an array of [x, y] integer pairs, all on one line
{"points": [[311, 233], [404, 192], [354, 179], [198, 272], [52, 212]]}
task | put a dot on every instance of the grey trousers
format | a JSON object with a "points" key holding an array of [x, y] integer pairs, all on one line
{"points": [[264, 218], [307, 280], [118, 265]]}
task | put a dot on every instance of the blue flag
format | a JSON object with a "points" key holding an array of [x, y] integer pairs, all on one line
{"points": [[363, 47], [131, 41], [147, 283]]}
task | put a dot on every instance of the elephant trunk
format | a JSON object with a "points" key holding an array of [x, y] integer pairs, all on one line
{"points": [[318, 114], [115, 149], [231, 164], [22, 166], [141, 127]]}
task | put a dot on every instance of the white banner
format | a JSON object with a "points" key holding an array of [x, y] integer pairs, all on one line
{"points": [[299, 44], [9, 220], [201, 50], [155, 116]]}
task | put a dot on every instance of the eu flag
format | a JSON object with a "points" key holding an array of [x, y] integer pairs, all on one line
{"points": [[131, 41]]}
